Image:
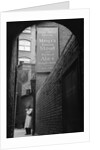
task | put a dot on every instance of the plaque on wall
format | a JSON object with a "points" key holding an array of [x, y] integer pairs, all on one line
{"points": [[47, 48]]}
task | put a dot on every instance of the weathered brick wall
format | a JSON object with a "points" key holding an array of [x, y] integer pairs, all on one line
{"points": [[40, 79], [49, 97]]}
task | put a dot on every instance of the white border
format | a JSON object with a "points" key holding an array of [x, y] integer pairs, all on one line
{"points": [[47, 139]]}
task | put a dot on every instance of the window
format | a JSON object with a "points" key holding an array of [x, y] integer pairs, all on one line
{"points": [[24, 45]]}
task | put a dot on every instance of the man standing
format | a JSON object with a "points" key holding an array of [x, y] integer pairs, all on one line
{"points": [[28, 120]]}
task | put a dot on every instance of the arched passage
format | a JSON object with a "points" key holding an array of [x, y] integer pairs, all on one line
{"points": [[66, 43]]}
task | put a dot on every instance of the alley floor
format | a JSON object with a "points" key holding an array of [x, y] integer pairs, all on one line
{"points": [[20, 133]]}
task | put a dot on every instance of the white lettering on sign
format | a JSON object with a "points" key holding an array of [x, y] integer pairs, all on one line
{"points": [[47, 48]]}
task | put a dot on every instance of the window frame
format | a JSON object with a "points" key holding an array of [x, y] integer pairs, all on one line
{"points": [[24, 45]]}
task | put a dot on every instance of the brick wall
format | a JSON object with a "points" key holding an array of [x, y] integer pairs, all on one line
{"points": [[49, 97], [40, 79]]}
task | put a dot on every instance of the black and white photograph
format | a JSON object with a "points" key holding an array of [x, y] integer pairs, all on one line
{"points": [[45, 77], [46, 100]]}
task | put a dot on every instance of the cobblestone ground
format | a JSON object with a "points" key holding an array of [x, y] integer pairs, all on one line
{"points": [[20, 133]]}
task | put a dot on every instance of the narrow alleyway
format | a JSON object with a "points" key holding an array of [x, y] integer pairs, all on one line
{"points": [[45, 73]]}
